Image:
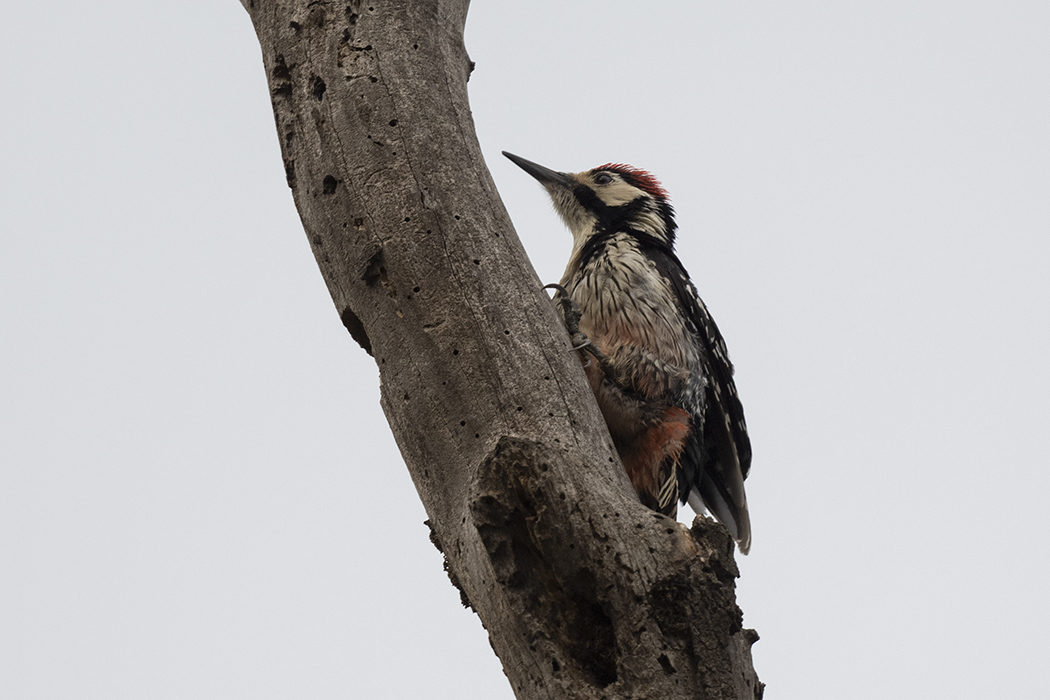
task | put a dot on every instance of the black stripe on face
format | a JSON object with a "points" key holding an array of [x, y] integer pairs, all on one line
{"points": [[614, 220], [609, 218], [620, 218], [590, 201]]}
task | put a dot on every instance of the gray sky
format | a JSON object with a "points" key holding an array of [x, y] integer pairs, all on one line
{"points": [[199, 496]]}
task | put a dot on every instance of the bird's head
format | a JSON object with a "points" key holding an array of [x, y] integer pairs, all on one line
{"points": [[607, 199]]}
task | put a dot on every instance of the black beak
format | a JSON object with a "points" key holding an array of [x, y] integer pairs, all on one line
{"points": [[545, 176]]}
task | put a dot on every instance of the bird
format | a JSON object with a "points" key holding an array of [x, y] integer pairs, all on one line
{"points": [[653, 356]]}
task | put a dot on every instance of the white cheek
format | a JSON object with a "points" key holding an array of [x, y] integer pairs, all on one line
{"points": [[617, 194]]}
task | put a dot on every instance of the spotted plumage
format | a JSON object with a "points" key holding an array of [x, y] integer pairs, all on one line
{"points": [[664, 381]]}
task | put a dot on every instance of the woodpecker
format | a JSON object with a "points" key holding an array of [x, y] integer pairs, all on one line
{"points": [[658, 367]]}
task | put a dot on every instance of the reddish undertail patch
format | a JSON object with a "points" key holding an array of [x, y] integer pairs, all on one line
{"points": [[641, 179], [665, 439]]}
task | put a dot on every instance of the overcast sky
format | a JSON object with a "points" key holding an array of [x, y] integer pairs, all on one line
{"points": [[199, 495]]}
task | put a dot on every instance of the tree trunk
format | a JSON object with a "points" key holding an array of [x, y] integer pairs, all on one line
{"points": [[585, 593]]}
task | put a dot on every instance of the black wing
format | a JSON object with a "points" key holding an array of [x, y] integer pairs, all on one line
{"points": [[717, 457]]}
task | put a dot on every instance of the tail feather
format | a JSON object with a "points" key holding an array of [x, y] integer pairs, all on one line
{"points": [[730, 513], [717, 489]]}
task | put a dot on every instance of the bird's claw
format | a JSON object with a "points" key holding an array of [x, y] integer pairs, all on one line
{"points": [[570, 310], [571, 315]]}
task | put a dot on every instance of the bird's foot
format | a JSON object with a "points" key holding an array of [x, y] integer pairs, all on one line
{"points": [[571, 315]]}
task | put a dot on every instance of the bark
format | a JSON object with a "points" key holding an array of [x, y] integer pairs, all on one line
{"points": [[585, 593]]}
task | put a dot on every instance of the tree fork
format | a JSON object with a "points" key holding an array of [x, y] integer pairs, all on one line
{"points": [[584, 592]]}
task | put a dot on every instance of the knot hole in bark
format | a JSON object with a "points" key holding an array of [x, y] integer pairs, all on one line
{"points": [[520, 516], [357, 329]]}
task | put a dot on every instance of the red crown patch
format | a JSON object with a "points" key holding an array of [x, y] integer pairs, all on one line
{"points": [[642, 179]]}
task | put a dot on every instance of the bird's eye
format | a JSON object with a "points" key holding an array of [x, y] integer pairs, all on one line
{"points": [[603, 179]]}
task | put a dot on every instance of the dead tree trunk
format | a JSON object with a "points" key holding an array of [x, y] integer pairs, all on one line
{"points": [[584, 592]]}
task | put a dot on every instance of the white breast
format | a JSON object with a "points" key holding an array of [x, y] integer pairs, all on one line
{"points": [[625, 301]]}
